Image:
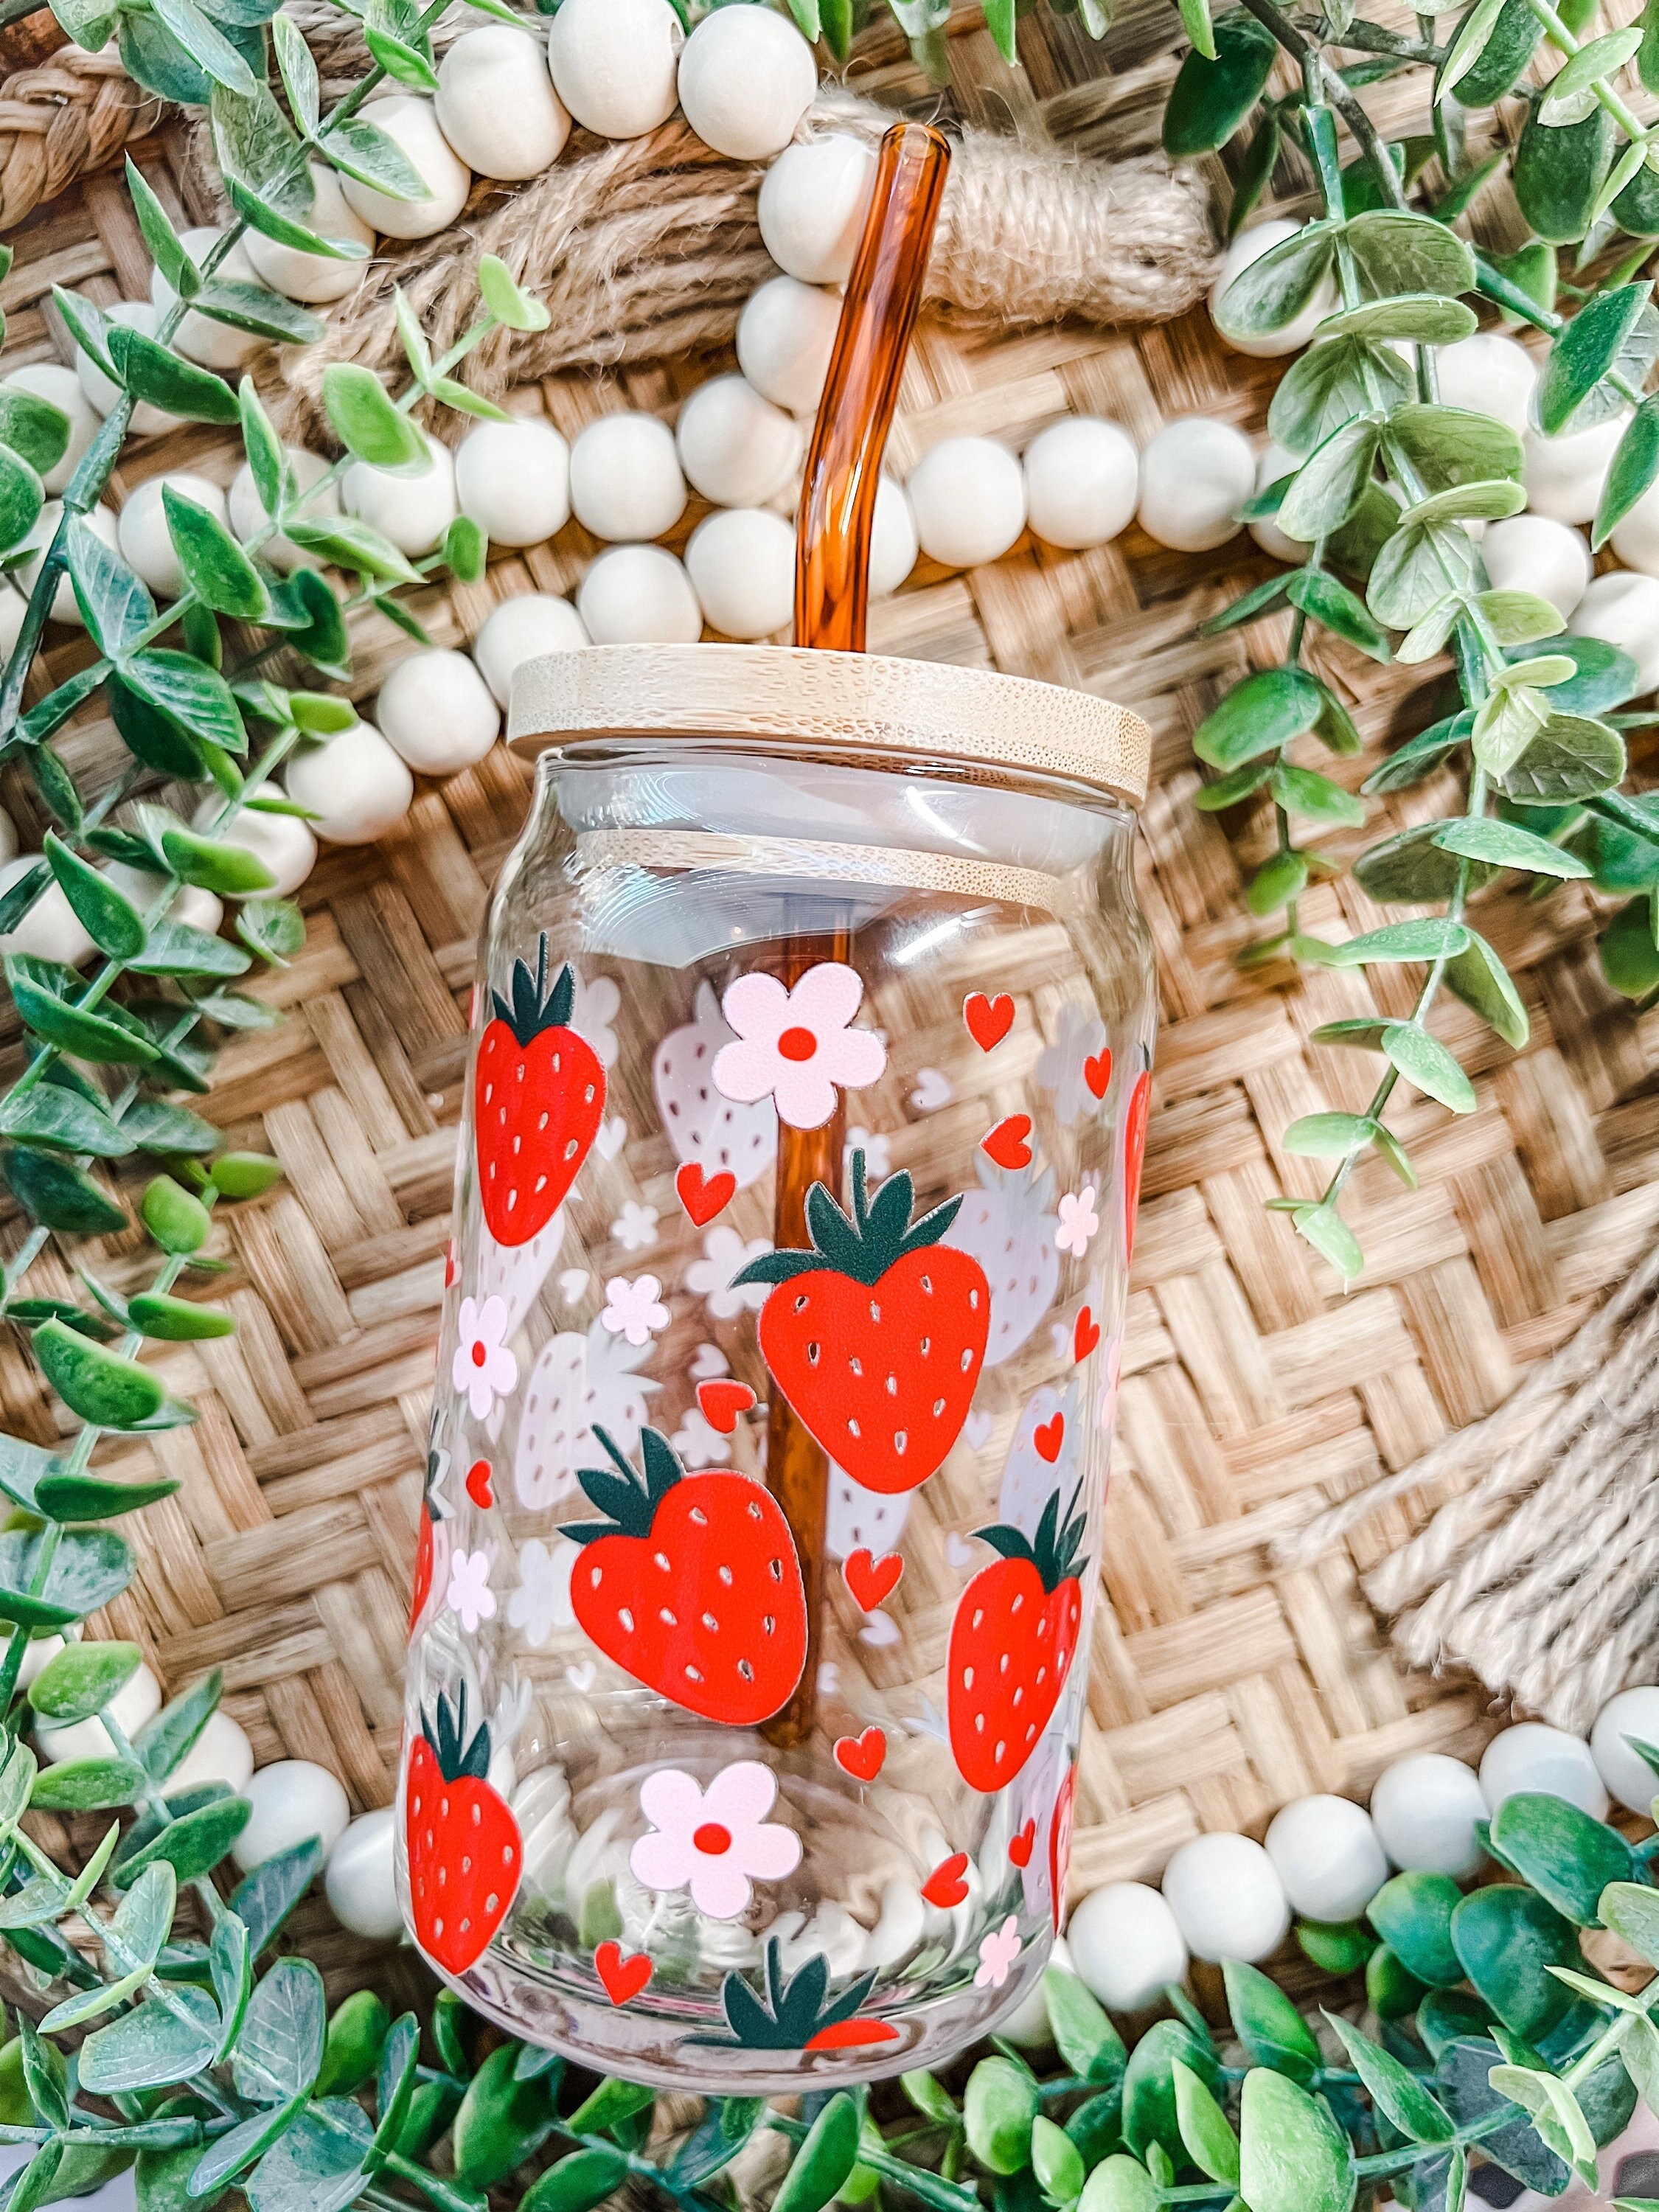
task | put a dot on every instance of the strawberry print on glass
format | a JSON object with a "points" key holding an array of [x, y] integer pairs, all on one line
{"points": [[540, 1099], [465, 1853], [1012, 1641]]}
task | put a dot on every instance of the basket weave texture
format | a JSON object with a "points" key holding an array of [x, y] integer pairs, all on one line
{"points": [[1255, 1391]]}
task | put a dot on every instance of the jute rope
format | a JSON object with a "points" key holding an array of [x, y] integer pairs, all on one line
{"points": [[1543, 1574], [59, 118]]}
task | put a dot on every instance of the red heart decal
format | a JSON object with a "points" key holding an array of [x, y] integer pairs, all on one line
{"points": [[477, 1484], [451, 1265], [623, 1977], [1049, 1437], [722, 1401], [945, 1887], [1006, 1142], [871, 1580], [1098, 1072], [1086, 1334], [988, 1020], [704, 1196], [861, 1756], [1020, 1846]]}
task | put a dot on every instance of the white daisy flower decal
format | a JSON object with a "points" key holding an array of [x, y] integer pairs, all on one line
{"points": [[468, 1595], [797, 1046], [717, 1843], [541, 1603], [635, 1310], [699, 1444], [635, 1227], [725, 1255], [997, 1953], [1079, 1220], [485, 1367]]}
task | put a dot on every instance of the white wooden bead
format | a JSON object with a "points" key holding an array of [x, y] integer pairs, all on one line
{"points": [[146, 545], [1227, 1898], [1531, 553], [361, 1884], [1636, 541], [413, 512], [283, 842], [741, 566], [626, 482], [13, 607], [147, 420], [784, 337], [1533, 1757], [514, 479], [413, 122], [1126, 1945], [615, 64], [496, 104], [894, 545], [967, 496], [736, 448], [1490, 374], [37, 1653], [315, 278], [1082, 481], [293, 1800], [1424, 1809], [8, 829], [137, 1700], [50, 928], [747, 76], [1271, 462], [1623, 610], [353, 784], [60, 387], [639, 595], [198, 337], [65, 607], [1626, 1772], [248, 517], [813, 202], [1327, 1853], [1563, 475], [195, 907], [1195, 477], [436, 710], [221, 1753], [521, 630], [1249, 245]]}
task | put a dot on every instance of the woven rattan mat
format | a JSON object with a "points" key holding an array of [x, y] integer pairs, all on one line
{"points": [[1255, 1391]]}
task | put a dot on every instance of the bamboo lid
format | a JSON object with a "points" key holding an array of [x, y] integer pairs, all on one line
{"points": [[965, 714]]}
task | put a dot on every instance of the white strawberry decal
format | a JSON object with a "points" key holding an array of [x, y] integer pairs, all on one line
{"points": [[860, 1519], [1042, 1457], [578, 1383], [515, 1273], [1008, 1226], [719, 1135]]}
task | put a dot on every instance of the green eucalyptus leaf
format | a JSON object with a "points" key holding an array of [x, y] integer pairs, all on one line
{"points": [[1205, 2131], [1585, 350], [88, 1785], [1149, 2115], [1398, 252], [1479, 979], [1293, 2155], [79, 1681], [1332, 604], [22, 495], [1260, 714], [160, 2044], [53, 1115], [215, 566], [57, 1193], [1573, 756], [100, 1386], [1568, 1857], [1508, 1938], [94, 1498], [1268, 2025], [1415, 570], [1634, 469], [190, 694], [152, 371], [367, 422], [1557, 173], [1396, 2091], [1210, 99], [163, 1742], [33, 426], [1423, 1060], [1411, 1912], [1082, 2034], [998, 2110], [1330, 484], [1328, 385], [1273, 290]]}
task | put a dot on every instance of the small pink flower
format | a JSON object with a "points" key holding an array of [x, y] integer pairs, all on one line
{"points": [[1078, 1221], [795, 1047], [483, 1368], [469, 1593], [717, 1842], [635, 1310], [997, 1953]]}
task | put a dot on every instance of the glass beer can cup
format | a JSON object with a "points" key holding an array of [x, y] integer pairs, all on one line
{"points": [[810, 1063]]}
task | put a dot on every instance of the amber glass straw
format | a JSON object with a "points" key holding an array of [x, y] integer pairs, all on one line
{"points": [[832, 600]]}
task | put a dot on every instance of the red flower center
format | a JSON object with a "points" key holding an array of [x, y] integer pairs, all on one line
{"points": [[798, 1044], [480, 1354], [712, 1840]]}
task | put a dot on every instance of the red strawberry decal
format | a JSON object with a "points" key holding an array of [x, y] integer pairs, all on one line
{"points": [[871, 1580], [1021, 1846], [1086, 1334], [623, 1977], [1012, 1642], [478, 1478], [795, 2012], [876, 1336], [988, 1020], [1098, 1072], [465, 1855], [692, 1583], [1060, 1843], [704, 1196], [722, 1402], [538, 1102], [1134, 1155], [862, 1756], [1049, 1437], [432, 1550], [945, 1886], [1008, 1144]]}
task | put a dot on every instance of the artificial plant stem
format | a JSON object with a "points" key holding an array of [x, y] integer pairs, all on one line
{"points": [[1363, 130], [1561, 37]]}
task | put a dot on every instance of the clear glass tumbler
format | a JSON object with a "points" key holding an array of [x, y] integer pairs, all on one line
{"points": [[796, 1193]]}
